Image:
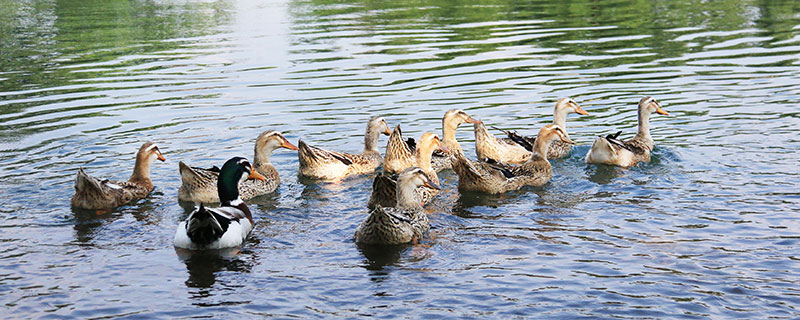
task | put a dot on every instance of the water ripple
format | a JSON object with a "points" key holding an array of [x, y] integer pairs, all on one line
{"points": [[707, 229]]}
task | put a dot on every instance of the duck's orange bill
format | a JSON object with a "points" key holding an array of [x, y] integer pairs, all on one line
{"points": [[255, 175], [387, 132], [473, 120], [288, 145], [661, 111], [161, 157], [432, 185], [580, 111]]}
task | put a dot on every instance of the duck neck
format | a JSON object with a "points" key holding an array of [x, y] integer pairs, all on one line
{"points": [[449, 135], [540, 146], [560, 118], [141, 172], [423, 157], [644, 126], [262, 157], [371, 140], [406, 198], [449, 130], [228, 189]]}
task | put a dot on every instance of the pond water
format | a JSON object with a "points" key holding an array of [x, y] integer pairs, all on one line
{"points": [[709, 228]]}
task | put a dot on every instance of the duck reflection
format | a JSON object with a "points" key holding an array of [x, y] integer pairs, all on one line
{"points": [[267, 202], [470, 199], [87, 222], [604, 174], [203, 266], [378, 257]]}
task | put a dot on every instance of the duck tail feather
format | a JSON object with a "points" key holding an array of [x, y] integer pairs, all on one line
{"points": [[83, 182]]}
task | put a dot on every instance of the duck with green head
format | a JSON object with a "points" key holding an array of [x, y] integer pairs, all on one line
{"points": [[227, 225]]}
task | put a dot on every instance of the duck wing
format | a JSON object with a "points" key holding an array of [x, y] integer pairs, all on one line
{"points": [[614, 140], [87, 184], [91, 186], [411, 144], [207, 225], [315, 154], [506, 170], [523, 141], [637, 147]]}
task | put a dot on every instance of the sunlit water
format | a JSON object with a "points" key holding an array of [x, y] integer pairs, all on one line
{"points": [[709, 228]]}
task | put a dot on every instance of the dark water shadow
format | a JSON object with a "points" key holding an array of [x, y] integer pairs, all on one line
{"points": [[204, 265], [473, 199], [87, 222], [604, 174], [378, 257], [265, 202]]}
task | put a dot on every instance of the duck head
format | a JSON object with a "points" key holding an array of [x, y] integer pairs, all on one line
{"points": [[414, 177], [267, 142], [455, 117], [567, 106], [650, 105], [375, 126], [553, 132], [378, 124], [271, 140], [148, 153], [429, 141], [233, 172]]}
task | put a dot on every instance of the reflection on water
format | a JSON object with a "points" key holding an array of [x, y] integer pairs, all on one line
{"points": [[709, 228], [379, 257], [203, 266]]}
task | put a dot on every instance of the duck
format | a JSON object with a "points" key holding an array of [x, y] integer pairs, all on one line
{"points": [[229, 224], [517, 149], [610, 150], [399, 152], [384, 185], [494, 178], [321, 164], [404, 223], [95, 194], [453, 118], [200, 185]]}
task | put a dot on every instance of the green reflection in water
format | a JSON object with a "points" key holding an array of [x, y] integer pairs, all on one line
{"points": [[53, 43]]}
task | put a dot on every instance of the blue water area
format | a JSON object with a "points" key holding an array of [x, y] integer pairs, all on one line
{"points": [[708, 229]]}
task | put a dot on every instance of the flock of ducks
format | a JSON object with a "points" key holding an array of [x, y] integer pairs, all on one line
{"points": [[409, 179]]}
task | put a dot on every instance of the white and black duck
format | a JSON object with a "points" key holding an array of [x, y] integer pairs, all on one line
{"points": [[227, 225]]}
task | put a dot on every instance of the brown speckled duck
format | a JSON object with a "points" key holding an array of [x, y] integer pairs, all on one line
{"points": [[516, 149], [612, 151], [318, 163], [95, 194], [399, 153], [450, 122], [200, 185], [384, 186], [404, 223], [498, 178]]}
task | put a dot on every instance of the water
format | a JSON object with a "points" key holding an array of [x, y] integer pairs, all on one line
{"points": [[709, 228]]}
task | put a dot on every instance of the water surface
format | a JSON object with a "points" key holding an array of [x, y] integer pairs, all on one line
{"points": [[709, 228]]}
